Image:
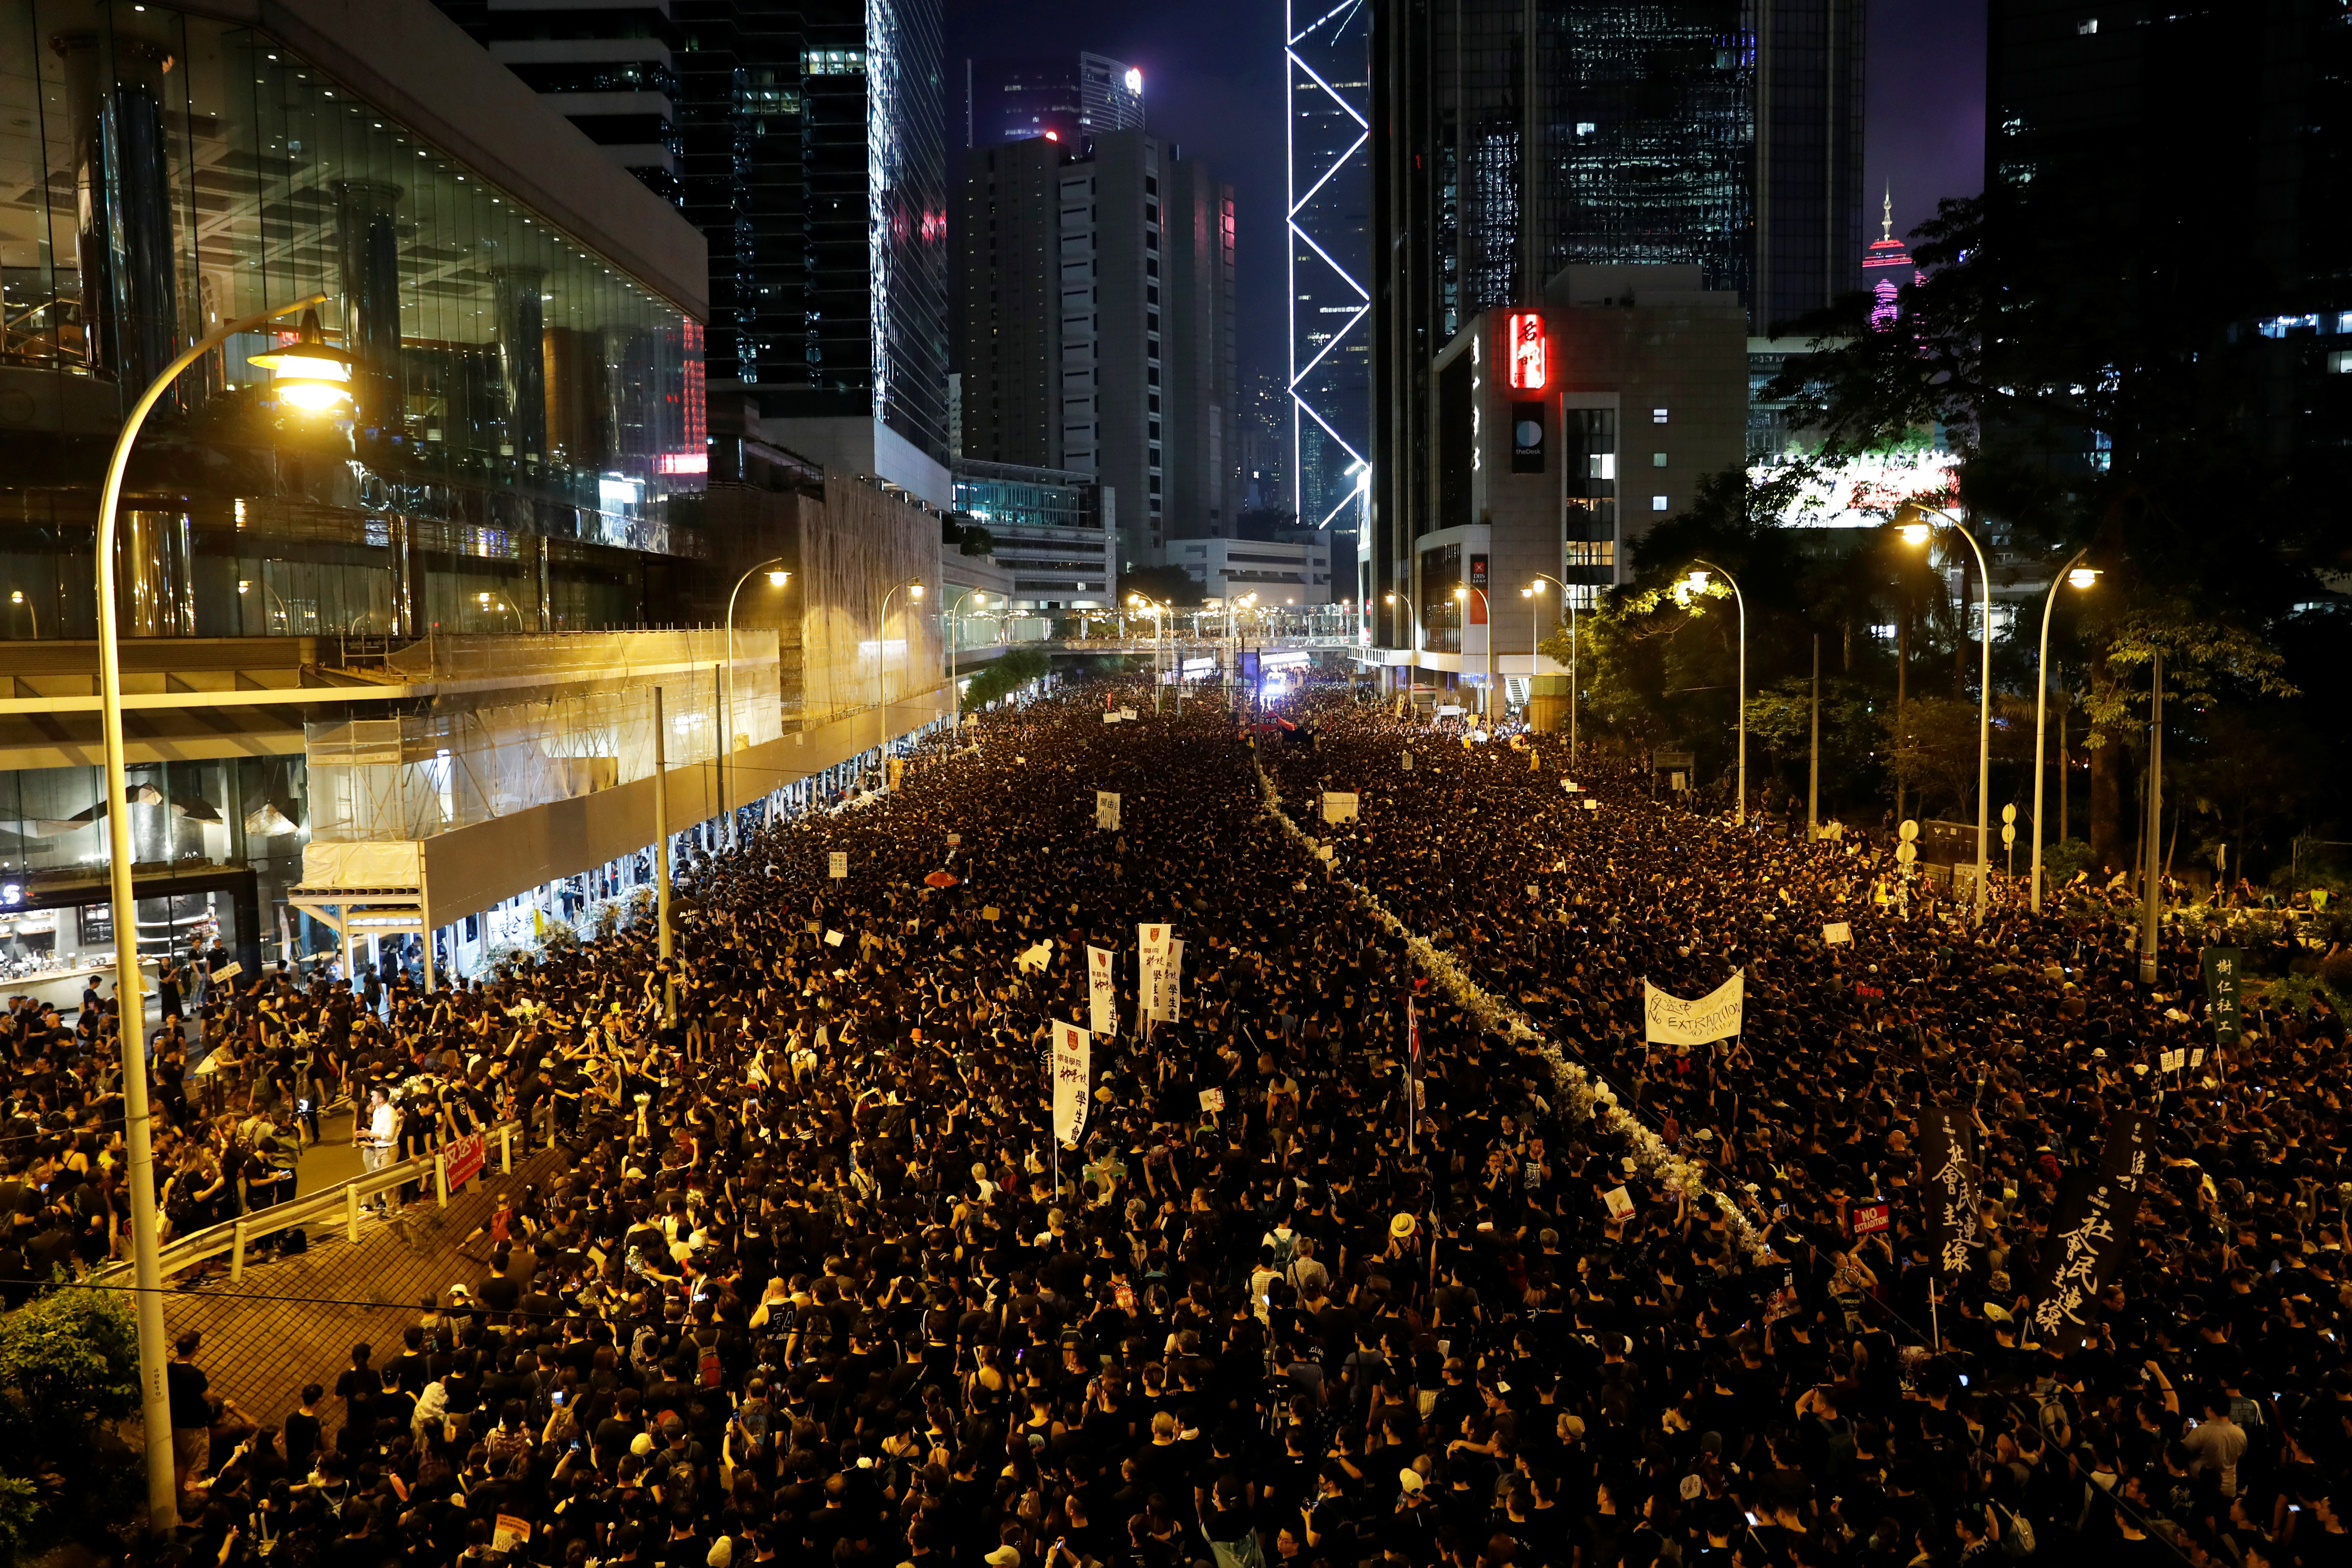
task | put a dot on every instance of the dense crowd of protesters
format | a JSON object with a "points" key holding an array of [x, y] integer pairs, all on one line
{"points": [[818, 1284]]}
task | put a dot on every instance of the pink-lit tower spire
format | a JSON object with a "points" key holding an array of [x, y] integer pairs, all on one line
{"points": [[1882, 267]]}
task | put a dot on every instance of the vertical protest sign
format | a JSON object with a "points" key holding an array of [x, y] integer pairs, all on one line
{"points": [[1073, 1067], [1102, 991]]}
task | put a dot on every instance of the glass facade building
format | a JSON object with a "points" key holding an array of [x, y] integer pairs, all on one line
{"points": [[527, 419], [807, 142], [1516, 140]]}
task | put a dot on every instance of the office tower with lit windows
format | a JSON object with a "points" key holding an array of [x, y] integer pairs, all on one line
{"points": [[1069, 98], [1099, 326], [808, 143], [1512, 140]]}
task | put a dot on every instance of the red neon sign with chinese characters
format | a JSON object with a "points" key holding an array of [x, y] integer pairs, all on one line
{"points": [[1530, 367]]}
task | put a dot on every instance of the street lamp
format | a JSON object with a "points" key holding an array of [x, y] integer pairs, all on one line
{"points": [[17, 597], [777, 578], [1911, 519], [1692, 585], [311, 377], [952, 618], [2074, 574], [914, 586], [1486, 694], [1536, 588]]}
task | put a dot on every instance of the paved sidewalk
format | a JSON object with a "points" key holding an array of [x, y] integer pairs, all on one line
{"points": [[294, 1321]]}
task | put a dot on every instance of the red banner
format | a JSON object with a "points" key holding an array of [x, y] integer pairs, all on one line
{"points": [[465, 1158]]}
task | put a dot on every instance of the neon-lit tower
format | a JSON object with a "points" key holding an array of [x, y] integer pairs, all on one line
{"points": [[1885, 268], [1328, 70]]}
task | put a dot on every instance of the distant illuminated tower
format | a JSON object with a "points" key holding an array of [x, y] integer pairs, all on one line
{"points": [[1882, 267], [1329, 97]]}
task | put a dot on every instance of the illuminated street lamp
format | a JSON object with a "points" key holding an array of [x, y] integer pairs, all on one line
{"points": [[1697, 582], [777, 578], [1912, 519], [17, 597], [1486, 694], [313, 378], [1536, 589], [2076, 575]]}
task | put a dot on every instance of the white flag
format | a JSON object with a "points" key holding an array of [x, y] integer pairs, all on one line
{"points": [[1714, 1016], [1072, 1054], [1102, 990], [1107, 809], [1150, 961]]}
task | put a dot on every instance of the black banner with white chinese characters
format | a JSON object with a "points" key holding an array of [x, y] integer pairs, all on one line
{"points": [[2221, 968], [1947, 1188], [2088, 1236]]}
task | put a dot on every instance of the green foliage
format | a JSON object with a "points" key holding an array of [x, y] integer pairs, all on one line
{"points": [[1781, 719], [975, 540], [1005, 674], [69, 1372], [70, 1359], [1935, 754], [2063, 861]]}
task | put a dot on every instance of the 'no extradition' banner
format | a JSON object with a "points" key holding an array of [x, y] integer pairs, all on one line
{"points": [[1072, 1052], [1671, 1021]]}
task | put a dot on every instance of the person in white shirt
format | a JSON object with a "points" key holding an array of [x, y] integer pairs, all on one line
{"points": [[378, 1137]]}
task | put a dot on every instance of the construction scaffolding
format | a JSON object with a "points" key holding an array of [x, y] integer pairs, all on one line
{"points": [[586, 725]]}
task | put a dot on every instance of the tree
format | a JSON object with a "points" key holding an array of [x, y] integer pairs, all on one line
{"points": [[1005, 674], [1853, 738], [2118, 422], [69, 1372]]}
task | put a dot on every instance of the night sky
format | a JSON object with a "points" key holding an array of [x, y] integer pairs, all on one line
{"points": [[1213, 82]]}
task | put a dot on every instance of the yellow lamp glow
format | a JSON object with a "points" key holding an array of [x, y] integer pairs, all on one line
{"points": [[2083, 576], [778, 579], [1914, 533], [309, 374]]}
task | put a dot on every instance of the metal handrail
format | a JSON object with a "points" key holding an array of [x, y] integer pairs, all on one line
{"points": [[233, 1237]]}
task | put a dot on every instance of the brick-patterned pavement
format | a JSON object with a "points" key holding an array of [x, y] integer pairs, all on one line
{"points": [[286, 1324]]}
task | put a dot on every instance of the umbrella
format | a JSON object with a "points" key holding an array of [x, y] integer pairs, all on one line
{"points": [[941, 879]]}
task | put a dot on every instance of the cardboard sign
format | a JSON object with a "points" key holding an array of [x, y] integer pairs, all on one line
{"points": [[1127, 714], [955, 840], [510, 1534], [1106, 810], [1870, 1217], [464, 1160], [836, 865], [2171, 1061], [1837, 932], [1339, 805], [1620, 1202], [832, 939], [1110, 718], [1212, 1100], [227, 971], [990, 913]]}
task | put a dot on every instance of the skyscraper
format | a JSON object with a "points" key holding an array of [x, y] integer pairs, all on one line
{"points": [[1512, 139], [1329, 59], [2181, 173], [1066, 96], [807, 140], [1097, 326]]}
